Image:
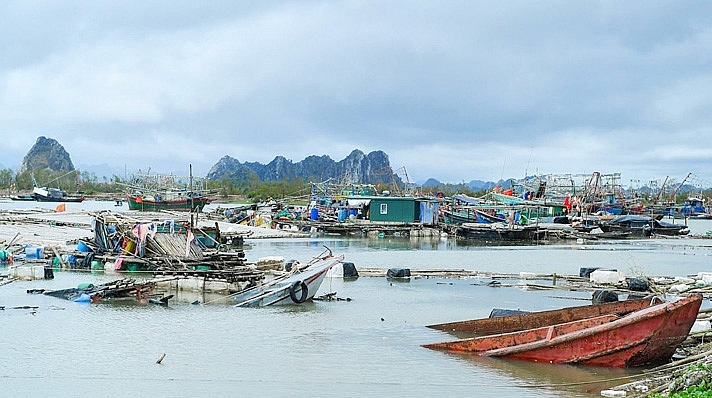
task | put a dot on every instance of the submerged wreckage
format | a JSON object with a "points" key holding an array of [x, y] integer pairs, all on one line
{"points": [[177, 255], [619, 334], [120, 290], [173, 252]]}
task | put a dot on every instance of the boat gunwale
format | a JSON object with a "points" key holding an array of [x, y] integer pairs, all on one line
{"points": [[629, 319], [512, 323], [659, 314]]}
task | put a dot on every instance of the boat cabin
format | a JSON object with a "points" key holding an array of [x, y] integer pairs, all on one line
{"points": [[693, 206]]}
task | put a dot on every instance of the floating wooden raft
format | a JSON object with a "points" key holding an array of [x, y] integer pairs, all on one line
{"points": [[228, 275]]}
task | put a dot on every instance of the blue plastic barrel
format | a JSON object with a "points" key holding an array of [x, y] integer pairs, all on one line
{"points": [[82, 247], [314, 214]]}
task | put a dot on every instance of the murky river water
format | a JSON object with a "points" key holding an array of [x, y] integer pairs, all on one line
{"points": [[369, 346]]}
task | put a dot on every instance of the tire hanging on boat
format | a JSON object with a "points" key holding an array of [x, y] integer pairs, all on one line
{"points": [[293, 291]]}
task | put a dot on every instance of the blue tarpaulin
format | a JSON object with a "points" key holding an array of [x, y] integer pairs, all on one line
{"points": [[428, 213]]}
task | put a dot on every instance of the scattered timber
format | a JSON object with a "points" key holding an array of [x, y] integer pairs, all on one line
{"points": [[116, 290]]}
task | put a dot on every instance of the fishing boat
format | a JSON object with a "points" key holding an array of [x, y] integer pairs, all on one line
{"points": [[618, 334], [47, 194], [155, 192], [168, 200], [545, 207], [295, 287], [466, 209], [499, 232], [44, 194], [470, 215], [693, 207]]}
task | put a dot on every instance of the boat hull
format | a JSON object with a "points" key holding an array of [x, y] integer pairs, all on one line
{"points": [[68, 199], [470, 216], [53, 195], [296, 289], [646, 336], [25, 198], [499, 232], [145, 204], [643, 226]]}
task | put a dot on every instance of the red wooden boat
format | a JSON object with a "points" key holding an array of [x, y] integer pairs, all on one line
{"points": [[620, 334]]}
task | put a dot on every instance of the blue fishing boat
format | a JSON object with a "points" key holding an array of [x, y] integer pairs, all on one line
{"points": [[694, 207]]}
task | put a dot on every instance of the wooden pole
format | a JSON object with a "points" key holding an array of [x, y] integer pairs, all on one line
{"points": [[61, 260], [12, 241], [190, 192]]}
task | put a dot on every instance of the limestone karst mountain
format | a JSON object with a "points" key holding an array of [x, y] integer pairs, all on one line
{"points": [[357, 167], [47, 153]]}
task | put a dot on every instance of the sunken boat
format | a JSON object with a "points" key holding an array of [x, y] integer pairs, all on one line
{"points": [[618, 334]]}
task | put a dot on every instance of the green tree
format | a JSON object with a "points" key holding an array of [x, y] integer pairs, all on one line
{"points": [[253, 182], [89, 183], [7, 177], [24, 180], [226, 188]]}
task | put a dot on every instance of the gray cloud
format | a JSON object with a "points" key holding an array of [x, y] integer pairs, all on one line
{"points": [[454, 90]]}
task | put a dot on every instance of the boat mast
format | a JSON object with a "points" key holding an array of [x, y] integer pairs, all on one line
{"points": [[674, 194], [190, 194], [662, 188]]}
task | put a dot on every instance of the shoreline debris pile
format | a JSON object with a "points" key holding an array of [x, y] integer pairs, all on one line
{"points": [[167, 248]]}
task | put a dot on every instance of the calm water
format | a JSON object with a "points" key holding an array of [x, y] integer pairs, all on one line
{"points": [[369, 346]]}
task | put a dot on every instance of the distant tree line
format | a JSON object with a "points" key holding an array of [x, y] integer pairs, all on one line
{"points": [[75, 181], [257, 190], [252, 188], [452, 189]]}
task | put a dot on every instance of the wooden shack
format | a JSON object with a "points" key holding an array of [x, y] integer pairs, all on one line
{"points": [[395, 209]]}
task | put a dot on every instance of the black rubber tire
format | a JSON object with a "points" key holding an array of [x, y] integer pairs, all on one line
{"points": [[293, 292]]}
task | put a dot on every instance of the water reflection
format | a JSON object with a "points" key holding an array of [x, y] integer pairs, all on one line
{"points": [[555, 377]]}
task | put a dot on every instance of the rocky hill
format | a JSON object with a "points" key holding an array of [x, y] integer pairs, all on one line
{"points": [[47, 153], [475, 185], [358, 167]]}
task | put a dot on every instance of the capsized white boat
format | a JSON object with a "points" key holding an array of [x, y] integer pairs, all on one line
{"points": [[295, 287]]}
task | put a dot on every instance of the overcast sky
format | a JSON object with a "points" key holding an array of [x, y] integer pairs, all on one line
{"points": [[450, 90]]}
